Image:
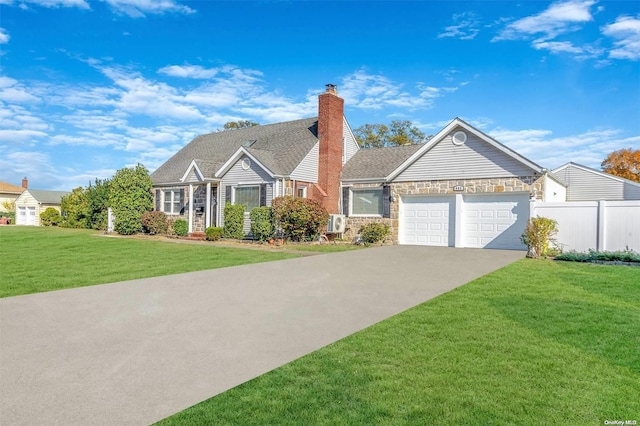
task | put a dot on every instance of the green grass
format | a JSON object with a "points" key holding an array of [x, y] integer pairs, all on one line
{"points": [[37, 259], [538, 342]]}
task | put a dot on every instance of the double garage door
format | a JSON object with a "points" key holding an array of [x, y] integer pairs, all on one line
{"points": [[483, 221], [26, 216]]}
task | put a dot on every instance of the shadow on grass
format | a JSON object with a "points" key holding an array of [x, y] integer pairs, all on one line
{"points": [[609, 333]]}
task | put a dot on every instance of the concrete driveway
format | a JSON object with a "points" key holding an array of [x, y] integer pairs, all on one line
{"points": [[135, 352]]}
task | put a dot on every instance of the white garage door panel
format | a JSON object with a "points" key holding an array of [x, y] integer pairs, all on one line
{"points": [[494, 221], [425, 220]]}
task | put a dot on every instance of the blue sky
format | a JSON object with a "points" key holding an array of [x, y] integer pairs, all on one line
{"points": [[90, 86]]}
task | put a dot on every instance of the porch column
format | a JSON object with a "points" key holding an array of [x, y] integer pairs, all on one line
{"points": [[207, 217], [190, 208]]}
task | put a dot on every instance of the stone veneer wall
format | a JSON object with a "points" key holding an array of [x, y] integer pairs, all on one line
{"points": [[199, 200], [443, 187]]}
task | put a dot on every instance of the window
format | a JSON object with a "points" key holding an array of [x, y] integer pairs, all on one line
{"points": [[172, 201], [367, 202], [302, 192], [249, 196]]}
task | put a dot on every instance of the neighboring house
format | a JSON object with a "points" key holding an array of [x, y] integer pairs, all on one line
{"points": [[9, 193], [586, 184], [462, 188], [32, 202]]}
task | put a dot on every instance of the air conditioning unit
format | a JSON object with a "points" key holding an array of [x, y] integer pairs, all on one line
{"points": [[336, 224]]}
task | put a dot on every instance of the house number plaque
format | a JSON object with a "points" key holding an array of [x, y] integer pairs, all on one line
{"points": [[458, 188]]}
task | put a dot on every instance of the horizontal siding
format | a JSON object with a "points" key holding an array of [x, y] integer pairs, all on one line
{"points": [[584, 185], [476, 159], [307, 170], [631, 192], [237, 175], [350, 145]]}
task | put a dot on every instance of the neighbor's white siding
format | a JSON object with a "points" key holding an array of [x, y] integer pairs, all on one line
{"points": [[474, 159], [585, 185], [307, 170], [350, 145]]}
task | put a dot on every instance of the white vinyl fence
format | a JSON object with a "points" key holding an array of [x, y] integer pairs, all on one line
{"points": [[598, 225]]}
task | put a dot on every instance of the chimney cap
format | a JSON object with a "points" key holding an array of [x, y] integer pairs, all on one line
{"points": [[332, 88]]}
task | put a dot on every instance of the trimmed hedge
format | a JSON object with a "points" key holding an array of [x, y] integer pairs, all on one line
{"points": [[181, 227], [603, 256], [155, 223], [234, 221], [301, 219], [373, 233], [214, 233], [262, 227]]}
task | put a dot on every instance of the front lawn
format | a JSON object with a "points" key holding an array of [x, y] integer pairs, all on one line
{"points": [[537, 342], [37, 259]]}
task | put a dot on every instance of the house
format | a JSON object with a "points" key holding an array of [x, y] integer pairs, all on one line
{"points": [[587, 184], [32, 202], [462, 188], [9, 193]]}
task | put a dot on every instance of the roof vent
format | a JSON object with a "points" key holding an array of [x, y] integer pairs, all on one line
{"points": [[247, 144]]}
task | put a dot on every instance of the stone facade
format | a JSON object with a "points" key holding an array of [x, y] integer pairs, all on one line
{"points": [[529, 184]]}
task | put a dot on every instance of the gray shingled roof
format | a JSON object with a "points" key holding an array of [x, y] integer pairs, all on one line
{"points": [[280, 147], [48, 197], [377, 163]]}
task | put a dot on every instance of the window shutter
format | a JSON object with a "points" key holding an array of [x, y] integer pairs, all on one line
{"points": [[345, 201], [158, 200], [183, 206], [386, 201], [263, 195], [227, 194]]}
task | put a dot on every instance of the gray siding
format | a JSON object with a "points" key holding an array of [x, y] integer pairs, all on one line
{"points": [[350, 145], [584, 185], [237, 175], [473, 160], [307, 170], [192, 176]]}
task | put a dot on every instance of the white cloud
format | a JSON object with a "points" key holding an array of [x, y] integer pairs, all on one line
{"points": [[4, 36], [139, 8], [82, 4], [589, 148], [20, 135], [189, 71], [558, 18], [13, 91], [557, 46], [366, 91], [626, 33], [466, 27]]}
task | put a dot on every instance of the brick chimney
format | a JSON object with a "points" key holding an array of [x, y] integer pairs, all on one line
{"points": [[25, 182], [330, 120]]}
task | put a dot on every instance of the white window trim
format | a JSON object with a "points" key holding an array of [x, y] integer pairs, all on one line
{"points": [[172, 202], [351, 195], [304, 191], [245, 185]]}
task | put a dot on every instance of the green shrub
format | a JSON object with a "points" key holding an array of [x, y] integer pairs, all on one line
{"points": [[155, 223], [373, 233], [299, 218], [234, 221], [181, 227], [593, 255], [540, 237], [214, 233], [262, 227], [129, 197], [50, 217]]}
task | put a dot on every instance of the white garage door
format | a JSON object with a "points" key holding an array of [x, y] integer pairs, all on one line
{"points": [[495, 220], [426, 221], [26, 216]]}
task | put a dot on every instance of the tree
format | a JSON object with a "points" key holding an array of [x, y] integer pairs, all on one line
{"points": [[624, 163], [74, 209], [129, 197], [241, 124], [399, 132], [98, 204]]}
